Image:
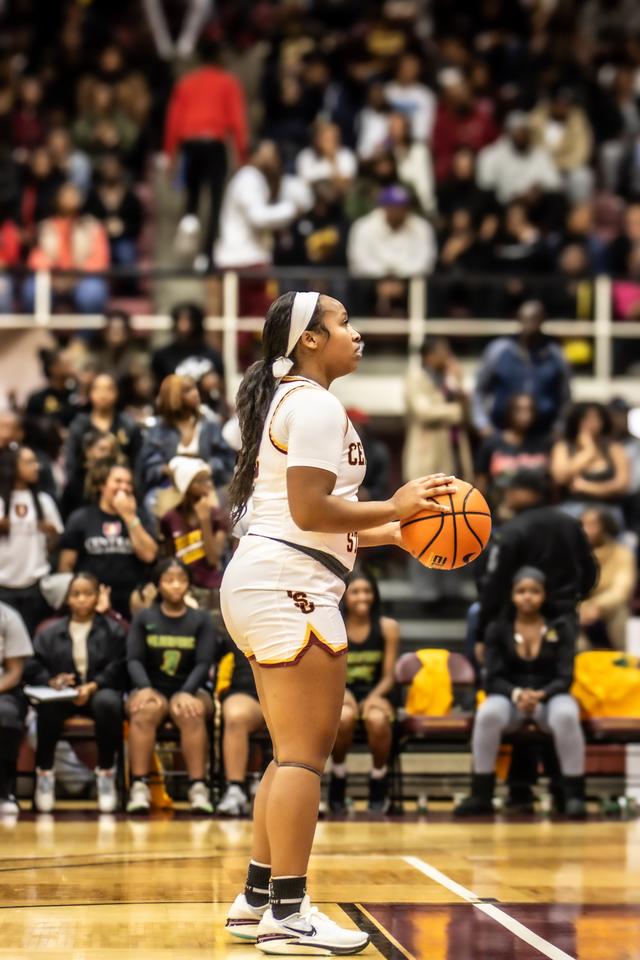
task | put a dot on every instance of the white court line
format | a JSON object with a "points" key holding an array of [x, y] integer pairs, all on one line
{"points": [[490, 909]]}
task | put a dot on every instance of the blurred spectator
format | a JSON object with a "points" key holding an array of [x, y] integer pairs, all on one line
{"points": [[40, 187], [206, 109], [326, 158], [462, 120], [318, 237], [117, 207], [587, 464], [30, 526], [18, 430], [188, 354], [109, 539], [375, 485], [196, 15], [629, 177], [571, 293], [373, 650], [27, 118], [618, 410], [96, 446], [413, 161], [58, 400], [115, 348], [626, 242], [181, 428], [580, 229], [258, 200], [603, 616], [170, 649], [71, 241], [103, 126], [518, 244], [391, 244], [560, 125], [374, 175], [514, 167], [514, 448], [10, 256], [406, 94], [458, 190], [436, 437], [72, 166], [241, 716], [373, 122], [15, 650], [194, 531], [105, 417], [86, 651], [531, 363]]}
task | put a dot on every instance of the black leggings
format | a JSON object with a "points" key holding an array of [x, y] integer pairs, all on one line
{"points": [[13, 710], [105, 707], [205, 169]]}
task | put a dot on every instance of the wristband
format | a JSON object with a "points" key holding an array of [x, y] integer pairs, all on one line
{"points": [[134, 523], [515, 694]]}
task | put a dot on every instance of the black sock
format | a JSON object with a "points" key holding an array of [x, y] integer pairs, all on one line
{"points": [[285, 895], [256, 889], [6, 779]]}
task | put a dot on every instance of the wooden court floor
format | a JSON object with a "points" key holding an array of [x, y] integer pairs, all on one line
{"points": [[88, 888]]}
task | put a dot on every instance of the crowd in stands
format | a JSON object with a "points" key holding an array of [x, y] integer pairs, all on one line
{"points": [[394, 139], [416, 138]]}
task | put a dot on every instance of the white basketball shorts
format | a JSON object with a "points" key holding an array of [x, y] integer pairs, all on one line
{"points": [[276, 601]]}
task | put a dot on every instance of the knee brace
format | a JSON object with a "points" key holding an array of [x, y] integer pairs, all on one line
{"points": [[301, 766]]}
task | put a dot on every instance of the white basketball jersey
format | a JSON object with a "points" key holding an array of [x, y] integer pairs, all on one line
{"points": [[306, 426]]}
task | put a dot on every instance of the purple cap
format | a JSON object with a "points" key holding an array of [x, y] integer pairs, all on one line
{"points": [[394, 196]]}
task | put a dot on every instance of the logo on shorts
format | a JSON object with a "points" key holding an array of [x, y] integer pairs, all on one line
{"points": [[301, 601]]}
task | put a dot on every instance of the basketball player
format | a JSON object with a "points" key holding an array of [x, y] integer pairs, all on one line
{"points": [[303, 462]]}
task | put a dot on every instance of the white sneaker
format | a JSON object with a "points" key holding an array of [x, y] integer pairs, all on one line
{"points": [[199, 798], [139, 797], [243, 919], [9, 806], [45, 795], [106, 788], [187, 236], [234, 803], [307, 932]]}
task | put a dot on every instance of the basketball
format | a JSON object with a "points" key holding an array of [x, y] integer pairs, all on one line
{"points": [[446, 541]]}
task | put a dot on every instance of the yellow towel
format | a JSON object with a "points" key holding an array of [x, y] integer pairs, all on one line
{"points": [[607, 684], [431, 693]]}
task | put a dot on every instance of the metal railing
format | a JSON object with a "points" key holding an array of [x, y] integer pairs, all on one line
{"points": [[374, 388]]}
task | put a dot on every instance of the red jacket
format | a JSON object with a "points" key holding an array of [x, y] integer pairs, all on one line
{"points": [[452, 130], [206, 103], [9, 244]]}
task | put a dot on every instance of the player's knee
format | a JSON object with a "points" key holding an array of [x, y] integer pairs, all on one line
{"points": [[236, 717], [347, 718]]}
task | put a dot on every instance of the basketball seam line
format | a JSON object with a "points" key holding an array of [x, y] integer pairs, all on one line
{"points": [[455, 529], [433, 538], [454, 513]]}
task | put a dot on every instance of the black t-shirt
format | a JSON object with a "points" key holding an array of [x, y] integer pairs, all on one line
{"points": [[59, 405], [170, 654], [104, 549]]}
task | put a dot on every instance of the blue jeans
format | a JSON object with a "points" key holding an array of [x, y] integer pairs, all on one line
{"points": [[89, 295], [6, 294]]}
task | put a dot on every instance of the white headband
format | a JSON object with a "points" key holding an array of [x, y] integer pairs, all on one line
{"points": [[301, 312]]}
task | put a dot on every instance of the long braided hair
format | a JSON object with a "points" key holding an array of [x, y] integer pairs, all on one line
{"points": [[256, 393]]}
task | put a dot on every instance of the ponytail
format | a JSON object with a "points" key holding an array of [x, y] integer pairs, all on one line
{"points": [[255, 395]]}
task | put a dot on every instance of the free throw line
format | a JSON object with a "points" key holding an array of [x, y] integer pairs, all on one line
{"points": [[490, 910]]}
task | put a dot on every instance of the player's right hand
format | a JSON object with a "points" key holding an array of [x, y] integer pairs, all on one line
{"points": [[417, 495]]}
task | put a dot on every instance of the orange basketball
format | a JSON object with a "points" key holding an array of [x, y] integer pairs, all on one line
{"points": [[446, 541]]}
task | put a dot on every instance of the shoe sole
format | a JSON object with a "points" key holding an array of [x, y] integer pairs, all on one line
{"points": [[276, 944], [235, 928]]}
